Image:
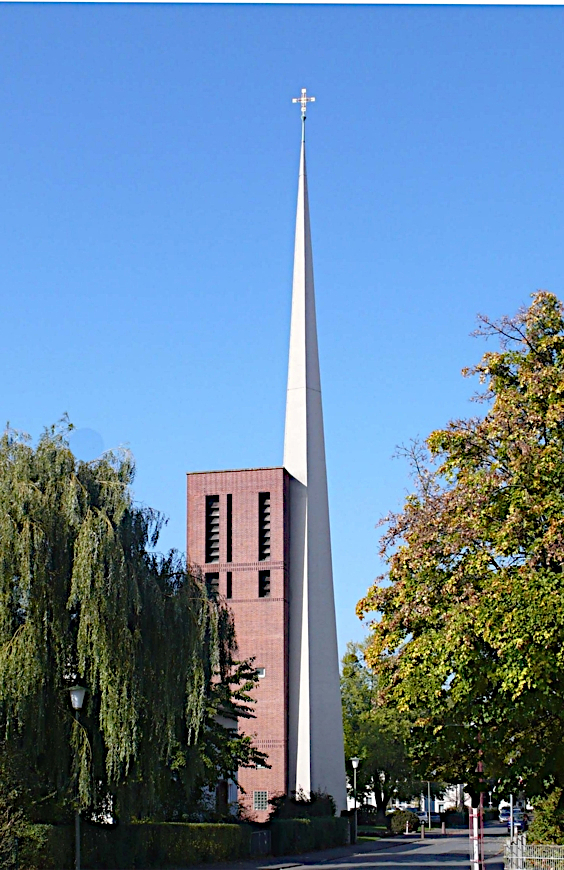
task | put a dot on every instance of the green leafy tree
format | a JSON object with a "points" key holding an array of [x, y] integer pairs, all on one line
{"points": [[84, 597], [378, 735], [471, 632]]}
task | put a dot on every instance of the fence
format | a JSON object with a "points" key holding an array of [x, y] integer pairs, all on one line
{"points": [[520, 856]]}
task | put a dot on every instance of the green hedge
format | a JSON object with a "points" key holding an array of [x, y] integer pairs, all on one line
{"points": [[126, 847], [140, 846], [456, 820], [292, 836]]}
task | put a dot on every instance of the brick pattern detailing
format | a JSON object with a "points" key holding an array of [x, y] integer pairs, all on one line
{"points": [[252, 600], [244, 566], [261, 624]]}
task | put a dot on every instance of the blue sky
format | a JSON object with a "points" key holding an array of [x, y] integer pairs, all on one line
{"points": [[149, 161]]}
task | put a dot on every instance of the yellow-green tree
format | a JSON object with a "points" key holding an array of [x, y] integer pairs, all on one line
{"points": [[471, 629], [380, 736]]}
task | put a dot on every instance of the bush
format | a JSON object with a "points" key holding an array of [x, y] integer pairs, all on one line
{"points": [[16, 826], [299, 806], [548, 822], [369, 815], [143, 845], [292, 836], [402, 819]]}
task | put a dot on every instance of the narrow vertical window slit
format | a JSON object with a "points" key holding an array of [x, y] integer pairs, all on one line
{"points": [[264, 526], [212, 584], [212, 528], [229, 531], [264, 584]]}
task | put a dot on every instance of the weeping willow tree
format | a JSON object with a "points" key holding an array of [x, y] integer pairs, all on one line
{"points": [[84, 598]]}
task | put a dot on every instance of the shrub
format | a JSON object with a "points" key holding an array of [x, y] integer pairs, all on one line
{"points": [[16, 826], [548, 822], [402, 819], [369, 815], [299, 806], [292, 836]]}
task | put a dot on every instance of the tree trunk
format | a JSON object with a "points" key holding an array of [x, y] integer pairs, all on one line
{"points": [[382, 797], [474, 796]]}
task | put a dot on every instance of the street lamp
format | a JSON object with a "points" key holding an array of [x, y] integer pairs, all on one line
{"points": [[355, 762], [77, 694]]}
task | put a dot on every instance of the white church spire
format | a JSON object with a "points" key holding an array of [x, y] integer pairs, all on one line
{"points": [[315, 740]]}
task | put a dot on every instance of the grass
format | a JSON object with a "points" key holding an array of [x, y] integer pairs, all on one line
{"points": [[371, 832]]}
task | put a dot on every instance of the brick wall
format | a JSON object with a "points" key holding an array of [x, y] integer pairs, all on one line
{"points": [[261, 624]]}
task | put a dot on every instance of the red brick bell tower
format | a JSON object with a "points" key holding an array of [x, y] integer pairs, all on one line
{"points": [[238, 537]]}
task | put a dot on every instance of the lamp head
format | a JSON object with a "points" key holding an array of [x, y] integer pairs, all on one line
{"points": [[77, 694], [355, 762]]}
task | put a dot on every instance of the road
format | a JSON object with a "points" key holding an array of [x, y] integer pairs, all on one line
{"points": [[433, 853]]}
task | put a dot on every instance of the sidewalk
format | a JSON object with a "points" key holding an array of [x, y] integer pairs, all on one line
{"points": [[269, 862]]}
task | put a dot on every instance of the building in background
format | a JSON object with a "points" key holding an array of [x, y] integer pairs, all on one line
{"points": [[261, 536]]}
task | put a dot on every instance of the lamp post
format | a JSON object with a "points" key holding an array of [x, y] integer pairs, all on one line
{"points": [[77, 694], [355, 762]]}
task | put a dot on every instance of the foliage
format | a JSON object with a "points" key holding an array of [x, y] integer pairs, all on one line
{"points": [[378, 735], [84, 598], [402, 821], [22, 843], [548, 820], [471, 632], [142, 845], [14, 801], [367, 815], [292, 836], [298, 805]]}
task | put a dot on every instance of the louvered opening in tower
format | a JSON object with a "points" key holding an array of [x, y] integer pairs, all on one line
{"points": [[212, 584], [212, 528], [264, 584], [264, 526], [229, 529]]}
